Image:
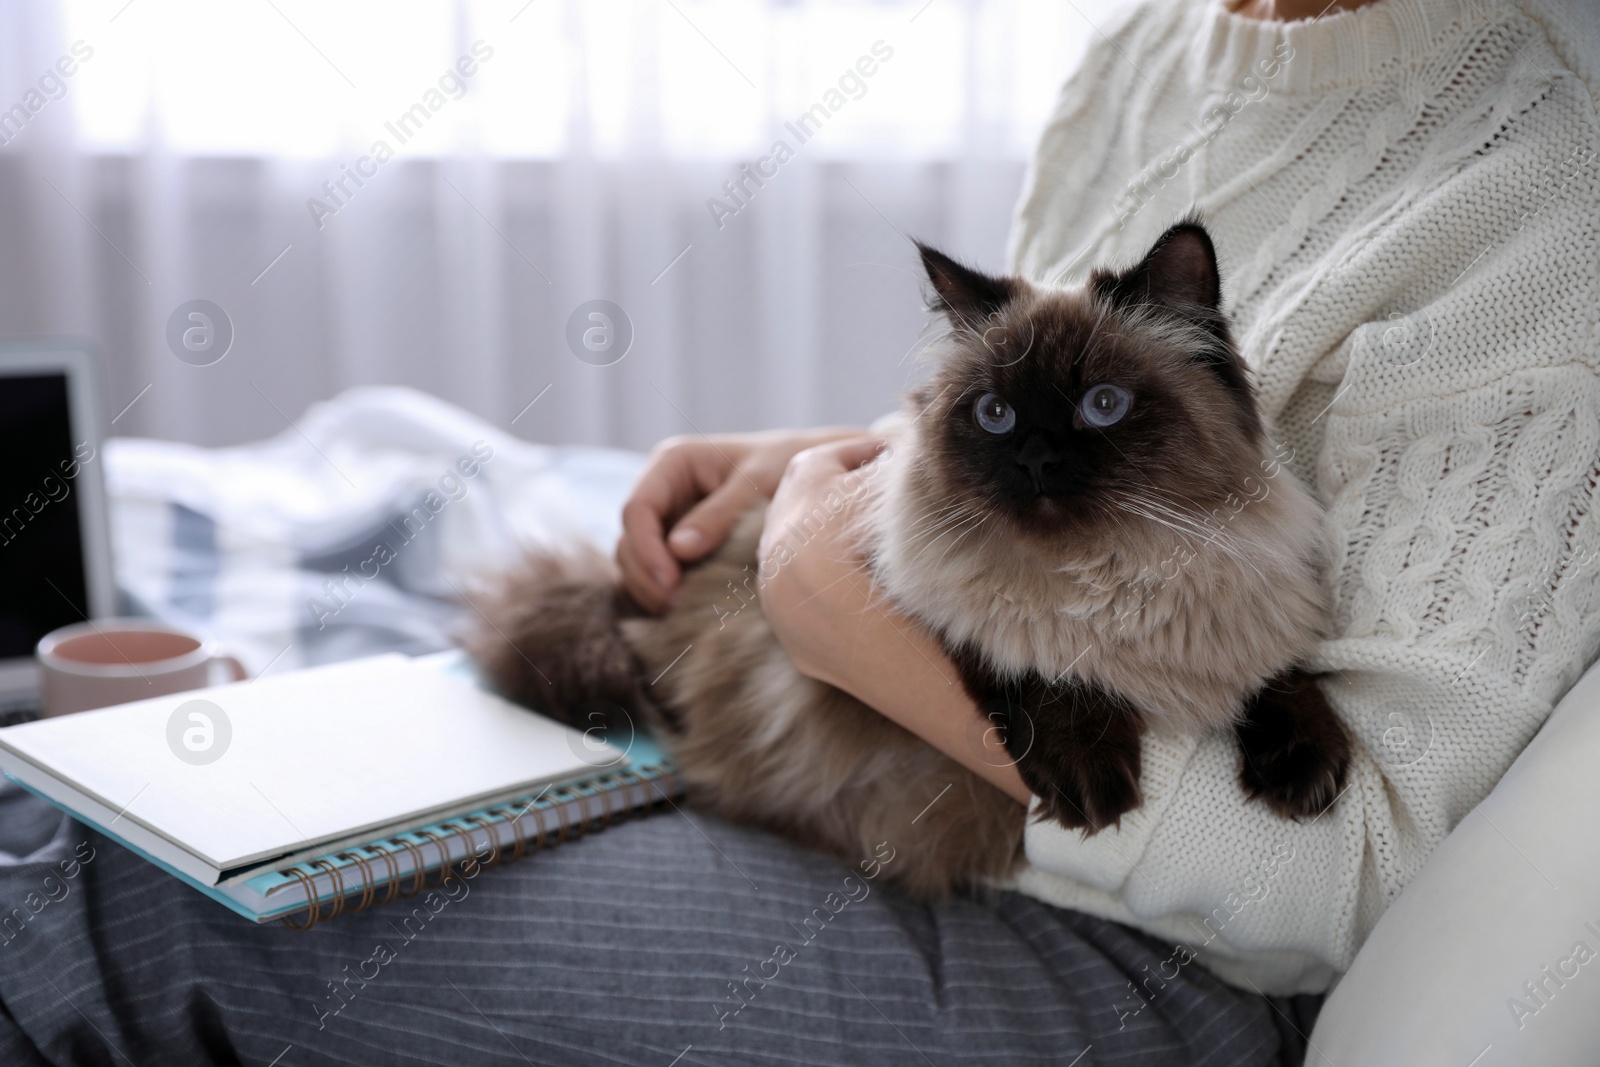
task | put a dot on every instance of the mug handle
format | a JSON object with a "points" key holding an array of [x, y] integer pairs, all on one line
{"points": [[234, 666]]}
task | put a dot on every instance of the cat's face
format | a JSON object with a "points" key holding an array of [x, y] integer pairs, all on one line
{"points": [[1119, 408]]}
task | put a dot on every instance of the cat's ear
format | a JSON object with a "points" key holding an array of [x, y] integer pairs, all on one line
{"points": [[1178, 273], [966, 296]]}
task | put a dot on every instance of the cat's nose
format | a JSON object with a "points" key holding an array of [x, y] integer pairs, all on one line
{"points": [[1036, 454]]}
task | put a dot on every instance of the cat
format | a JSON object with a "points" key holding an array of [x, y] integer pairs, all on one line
{"points": [[1078, 504]]}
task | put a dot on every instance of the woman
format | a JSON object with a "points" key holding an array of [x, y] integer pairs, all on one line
{"points": [[1404, 194], [1386, 242]]}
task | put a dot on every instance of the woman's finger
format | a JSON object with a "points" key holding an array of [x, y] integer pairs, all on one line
{"points": [[708, 524], [667, 486], [649, 573], [854, 452], [835, 457], [638, 583]]}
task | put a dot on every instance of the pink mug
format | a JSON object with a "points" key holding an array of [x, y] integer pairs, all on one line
{"points": [[114, 661]]}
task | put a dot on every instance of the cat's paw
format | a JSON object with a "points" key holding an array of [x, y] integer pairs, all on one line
{"points": [[1295, 765], [1092, 797]]}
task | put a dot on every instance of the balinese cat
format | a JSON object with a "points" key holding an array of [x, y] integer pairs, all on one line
{"points": [[1080, 503]]}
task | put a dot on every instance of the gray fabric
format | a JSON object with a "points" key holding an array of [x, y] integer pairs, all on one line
{"points": [[618, 949]]}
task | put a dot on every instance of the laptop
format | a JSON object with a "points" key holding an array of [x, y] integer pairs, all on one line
{"points": [[55, 549]]}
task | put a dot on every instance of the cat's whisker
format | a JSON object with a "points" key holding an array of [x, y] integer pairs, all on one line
{"points": [[1146, 512], [962, 537], [1211, 533], [948, 530], [933, 519], [987, 538], [938, 507], [1230, 541], [1196, 544], [1221, 544], [936, 516], [1226, 543], [935, 533], [1194, 531]]}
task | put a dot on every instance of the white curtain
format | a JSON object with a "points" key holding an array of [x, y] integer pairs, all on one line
{"points": [[544, 155]]}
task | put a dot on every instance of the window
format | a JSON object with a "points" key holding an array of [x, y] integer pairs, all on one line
{"points": [[611, 78]]}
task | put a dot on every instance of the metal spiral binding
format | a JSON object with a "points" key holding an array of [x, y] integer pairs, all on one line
{"points": [[584, 820], [369, 887]]}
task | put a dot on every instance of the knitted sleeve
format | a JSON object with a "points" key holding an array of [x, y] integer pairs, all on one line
{"points": [[1433, 365]]}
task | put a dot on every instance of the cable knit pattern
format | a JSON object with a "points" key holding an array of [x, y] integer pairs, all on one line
{"points": [[1405, 198]]}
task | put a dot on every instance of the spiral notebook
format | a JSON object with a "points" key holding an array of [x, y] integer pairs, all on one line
{"points": [[335, 788]]}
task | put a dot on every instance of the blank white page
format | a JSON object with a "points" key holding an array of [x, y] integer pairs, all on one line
{"points": [[316, 757]]}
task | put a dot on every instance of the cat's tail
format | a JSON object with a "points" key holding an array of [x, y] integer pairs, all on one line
{"points": [[550, 637]]}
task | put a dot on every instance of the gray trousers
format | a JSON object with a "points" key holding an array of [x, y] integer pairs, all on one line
{"points": [[674, 939]]}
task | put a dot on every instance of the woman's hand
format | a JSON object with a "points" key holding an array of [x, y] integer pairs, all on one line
{"points": [[696, 488], [810, 570], [819, 599]]}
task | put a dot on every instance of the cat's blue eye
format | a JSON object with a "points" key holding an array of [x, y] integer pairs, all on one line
{"points": [[994, 415], [1104, 405]]}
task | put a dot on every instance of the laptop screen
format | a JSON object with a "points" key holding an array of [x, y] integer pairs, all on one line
{"points": [[42, 568]]}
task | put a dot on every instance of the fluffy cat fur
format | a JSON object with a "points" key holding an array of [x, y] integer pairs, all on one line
{"points": [[1091, 582]]}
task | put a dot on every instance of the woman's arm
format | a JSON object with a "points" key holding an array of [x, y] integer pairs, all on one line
{"points": [[823, 608]]}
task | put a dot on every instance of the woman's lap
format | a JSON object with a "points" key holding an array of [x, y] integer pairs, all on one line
{"points": [[617, 949]]}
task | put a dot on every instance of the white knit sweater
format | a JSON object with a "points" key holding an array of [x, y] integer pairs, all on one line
{"points": [[1405, 200]]}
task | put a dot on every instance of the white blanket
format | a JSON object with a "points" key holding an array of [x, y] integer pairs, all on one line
{"points": [[356, 531]]}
